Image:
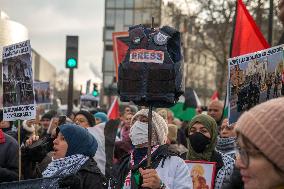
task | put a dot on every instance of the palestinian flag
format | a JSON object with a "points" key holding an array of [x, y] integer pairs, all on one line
{"points": [[113, 112], [185, 108], [121, 42]]}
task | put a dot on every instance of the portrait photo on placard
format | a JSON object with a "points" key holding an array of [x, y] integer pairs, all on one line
{"points": [[202, 174]]}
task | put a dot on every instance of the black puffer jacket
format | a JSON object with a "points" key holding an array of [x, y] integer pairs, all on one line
{"points": [[89, 176]]}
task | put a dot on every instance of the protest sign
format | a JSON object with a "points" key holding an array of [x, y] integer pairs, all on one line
{"points": [[254, 78], [18, 96], [42, 93], [202, 173]]}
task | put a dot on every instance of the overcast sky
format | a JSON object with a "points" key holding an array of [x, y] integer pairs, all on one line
{"points": [[48, 23]]}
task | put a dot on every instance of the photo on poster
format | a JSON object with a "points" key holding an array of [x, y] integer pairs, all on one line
{"points": [[18, 96], [42, 92], [254, 78], [202, 174]]}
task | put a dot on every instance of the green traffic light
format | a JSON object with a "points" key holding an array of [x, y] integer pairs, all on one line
{"points": [[95, 93], [71, 62]]}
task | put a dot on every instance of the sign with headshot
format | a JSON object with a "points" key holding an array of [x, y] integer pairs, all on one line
{"points": [[42, 93], [254, 78], [18, 93], [202, 173]]}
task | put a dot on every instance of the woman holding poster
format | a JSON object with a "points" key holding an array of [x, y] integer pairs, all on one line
{"points": [[202, 135]]}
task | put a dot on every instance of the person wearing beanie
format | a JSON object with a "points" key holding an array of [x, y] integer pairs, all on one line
{"points": [[45, 120], [260, 138], [100, 117], [202, 137], [167, 169], [72, 160], [84, 119]]}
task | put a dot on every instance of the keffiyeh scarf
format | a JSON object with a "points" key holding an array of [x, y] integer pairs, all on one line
{"points": [[63, 167], [226, 146]]}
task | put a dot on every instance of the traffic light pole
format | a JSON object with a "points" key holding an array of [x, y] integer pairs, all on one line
{"points": [[70, 92]]}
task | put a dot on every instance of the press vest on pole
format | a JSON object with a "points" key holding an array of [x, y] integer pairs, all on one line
{"points": [[152, 71]]}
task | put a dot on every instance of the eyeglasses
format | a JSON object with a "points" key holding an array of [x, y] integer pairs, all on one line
{"points": [[244, 155], [80, 120]]}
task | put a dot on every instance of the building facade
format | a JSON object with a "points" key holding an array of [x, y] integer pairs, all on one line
{"points": [[199, 69], [10, 32], [13, 32], [42, 69]]}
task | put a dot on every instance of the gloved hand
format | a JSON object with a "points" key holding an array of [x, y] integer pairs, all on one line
{"points": [[70, 181]]}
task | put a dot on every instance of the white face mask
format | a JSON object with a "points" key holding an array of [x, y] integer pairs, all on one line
{"points": [[139, 133]]}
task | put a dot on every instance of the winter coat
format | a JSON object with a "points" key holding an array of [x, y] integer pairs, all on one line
{"points": [[32, 169], [8, 160], [235, 181], [89, 176], [171, 169], [224, 168]]}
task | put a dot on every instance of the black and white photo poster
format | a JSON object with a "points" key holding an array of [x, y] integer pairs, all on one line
{"points": [[18, 96]]}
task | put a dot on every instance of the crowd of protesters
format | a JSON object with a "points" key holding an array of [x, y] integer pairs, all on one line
{"points": [[73, 152], [87, 150]]}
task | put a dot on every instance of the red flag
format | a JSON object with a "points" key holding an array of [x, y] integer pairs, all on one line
{"points": [[113, 112], [2, 137], [247, 37], [215, 96], [120, 47]]}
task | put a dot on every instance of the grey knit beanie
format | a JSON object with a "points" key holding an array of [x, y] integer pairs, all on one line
{"points": [[263, 125], [160, 126]]}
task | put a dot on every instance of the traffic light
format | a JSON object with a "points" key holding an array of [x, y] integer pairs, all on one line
{"points": [[95, 90], [72, 51]]}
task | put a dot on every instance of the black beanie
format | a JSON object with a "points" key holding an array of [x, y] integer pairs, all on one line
{"points": [[88, 115], [47, 116]]}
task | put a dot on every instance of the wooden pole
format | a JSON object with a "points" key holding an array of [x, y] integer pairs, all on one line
{"points": [[150, 123], [149, 137], [19, 153]]}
